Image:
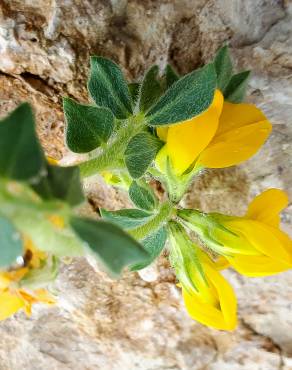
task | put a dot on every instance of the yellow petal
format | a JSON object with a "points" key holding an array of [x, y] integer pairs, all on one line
{"points": [[221, 263], [263, 237], [227, 298], [256, 266], [234, 116], [44, 296], [219, 311], [9, 304], [202, 312], [185, 141], [162, 132], [231, 241], [242, 130], [52, 161], [267, 206], [161, 159]]}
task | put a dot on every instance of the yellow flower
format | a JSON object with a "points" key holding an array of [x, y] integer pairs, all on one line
{"points": [[208, 297], [254, 245], [214, 302], [271, 248], [12, 296], [224, 135]]}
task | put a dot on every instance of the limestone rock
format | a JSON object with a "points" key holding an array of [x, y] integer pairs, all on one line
{"points": [[139, 322]]}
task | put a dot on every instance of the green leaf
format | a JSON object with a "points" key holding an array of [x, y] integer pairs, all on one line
{"points": [[236, 89], [154, 245], [11, 245], [61, 183], [170, 76], [108, 87], [134, 88], [140, 152], [115, 248], [126, 218], [142, 197], [87, 126], [150, 89], [223, 66], [21, 156], [186, 98]]}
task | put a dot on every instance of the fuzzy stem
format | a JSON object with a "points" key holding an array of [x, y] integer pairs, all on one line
{"points": [[111, 157]]}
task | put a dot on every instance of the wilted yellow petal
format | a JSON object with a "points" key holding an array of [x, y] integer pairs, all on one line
{"points": [[267, 206], [263, 239], [256, 266], [9, 304], [162, 132], [185, 141], [242, 130]]}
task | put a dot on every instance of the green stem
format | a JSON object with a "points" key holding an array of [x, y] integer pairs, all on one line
{"points": [[111, 156], [163, 215]]}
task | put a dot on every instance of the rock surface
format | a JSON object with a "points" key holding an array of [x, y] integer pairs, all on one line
{"points": [[139, 322]]}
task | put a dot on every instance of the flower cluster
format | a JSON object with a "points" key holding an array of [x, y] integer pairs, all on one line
{"points": [[164, 130]]}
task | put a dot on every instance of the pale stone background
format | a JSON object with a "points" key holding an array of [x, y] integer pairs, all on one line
{"points": [[139, 322]]}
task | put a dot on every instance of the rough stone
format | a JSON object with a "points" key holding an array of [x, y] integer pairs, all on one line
{"points": [[139, 322]]}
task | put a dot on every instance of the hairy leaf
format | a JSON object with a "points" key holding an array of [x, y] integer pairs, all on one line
{"points": [[236, 89], [150, 89], [115, 248], [142, 197], [87, 126], [154, 245], [223, 66], [21, 156], [186, 98], [140, 152], [108, 88], [61, 183], [126, 218]]}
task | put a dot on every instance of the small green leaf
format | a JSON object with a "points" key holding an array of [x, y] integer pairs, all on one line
{"points": [[126, 218], [140, 152], [87, 126], [115, 248], [186, 98], [154, 245], [108, 87], [21, 156], [223, 66], [142, 197], [11, 245], [236, 88], [150, 89], [171, 75], [134, 88], [61, 183]]}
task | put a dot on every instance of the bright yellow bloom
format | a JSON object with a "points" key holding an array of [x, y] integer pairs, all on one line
{"points": [[224, 135], [214, 302], [12, 296], [254, 245], [208, 297], [260, 227]]}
